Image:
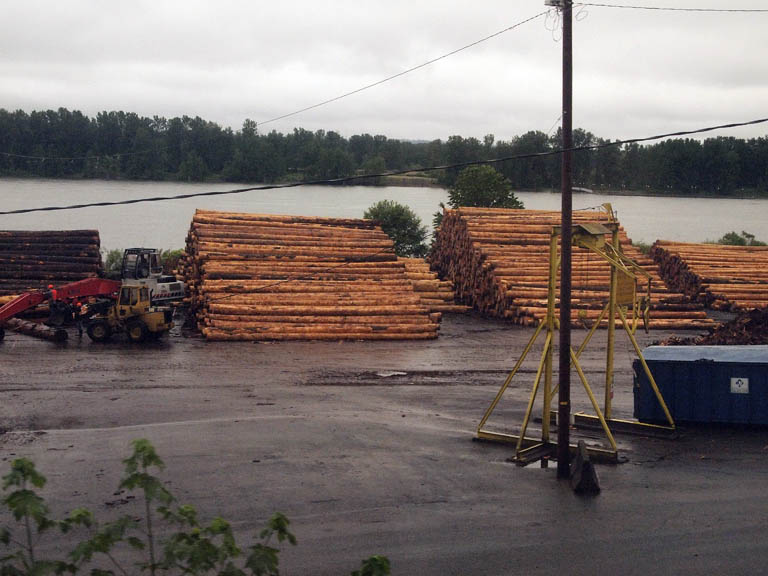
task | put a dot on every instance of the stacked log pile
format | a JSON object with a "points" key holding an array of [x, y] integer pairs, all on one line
{"points": [[720, 277], [268, 277], [436, 294], [33, 260], [498, 261]]}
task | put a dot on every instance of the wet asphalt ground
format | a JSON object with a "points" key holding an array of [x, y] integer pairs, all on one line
{"points": [[368, 449]]}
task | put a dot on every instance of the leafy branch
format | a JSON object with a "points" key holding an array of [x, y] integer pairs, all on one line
{"points": [[191, 548]]}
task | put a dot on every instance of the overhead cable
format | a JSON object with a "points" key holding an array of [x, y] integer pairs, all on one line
{"points": [[319, 104], [671, 8], [404, 72], [347, 179], [94, 157]]}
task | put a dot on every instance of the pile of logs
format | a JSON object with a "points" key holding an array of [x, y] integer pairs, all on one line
{"points": [[269, 277], [436, 294], [498, 261], [750, 327], [720, 277], [33, 260]]}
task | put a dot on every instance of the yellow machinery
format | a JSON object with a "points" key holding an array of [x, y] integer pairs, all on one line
{"points": [[624, 302], [131, 313]]}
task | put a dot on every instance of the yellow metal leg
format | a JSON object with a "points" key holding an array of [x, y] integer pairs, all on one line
{"points": [[611, 338], [586, 341], [532, 399], [592, 331], [511, 375], [592, 399], [647, 370]]}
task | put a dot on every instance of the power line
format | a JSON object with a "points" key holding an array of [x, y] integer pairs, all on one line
{"points": [[95, 157], [549, 132], [330, 181], [319, 104], [672, 9], [394, 76], [404, 72]]}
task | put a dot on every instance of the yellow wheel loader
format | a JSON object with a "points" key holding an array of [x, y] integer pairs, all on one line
{"points": [[132, 313]]}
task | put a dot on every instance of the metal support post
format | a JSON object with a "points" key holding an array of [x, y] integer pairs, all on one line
{"points": [[564, 396], [611, 332]]}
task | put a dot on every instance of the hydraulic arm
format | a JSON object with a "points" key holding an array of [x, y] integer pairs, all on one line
{"points": [[66, 294]]}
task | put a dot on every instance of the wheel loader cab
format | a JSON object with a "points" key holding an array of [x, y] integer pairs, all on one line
{"points": [[132, 301], [141, 263]]}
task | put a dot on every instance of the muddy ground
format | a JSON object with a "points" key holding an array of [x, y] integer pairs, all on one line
{"points": [[368, 448]]}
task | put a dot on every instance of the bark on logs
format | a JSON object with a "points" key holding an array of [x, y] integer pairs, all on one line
{"points": [[720, 277], [31, 260], [260, 277], [498, 261]]}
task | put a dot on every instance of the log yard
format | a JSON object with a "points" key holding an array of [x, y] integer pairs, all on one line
{"points": [[297, 364]]}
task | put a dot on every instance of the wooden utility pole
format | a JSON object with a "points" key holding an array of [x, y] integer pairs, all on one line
{"points": [[564, 382]]}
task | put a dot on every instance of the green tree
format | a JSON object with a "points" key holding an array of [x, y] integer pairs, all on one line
{"points": [[482, 186], [113, 261], [402, 225], [743, 239], [193, 168]]}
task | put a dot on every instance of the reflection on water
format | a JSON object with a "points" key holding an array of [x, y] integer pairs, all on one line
{"points": [[165, 224]]}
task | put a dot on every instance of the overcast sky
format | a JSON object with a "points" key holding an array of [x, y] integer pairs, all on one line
{"points": [[636, 73]]}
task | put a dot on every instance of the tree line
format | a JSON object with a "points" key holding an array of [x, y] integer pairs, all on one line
{"points": [[123, 145]]}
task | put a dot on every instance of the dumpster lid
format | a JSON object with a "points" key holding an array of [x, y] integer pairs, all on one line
{"points": [[737, 354]]}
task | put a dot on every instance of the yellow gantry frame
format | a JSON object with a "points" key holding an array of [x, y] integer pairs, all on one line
{"points": [[590, 237]]}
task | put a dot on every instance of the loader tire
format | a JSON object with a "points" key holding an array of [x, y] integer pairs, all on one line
{"points": [[137, 331], [2, 333], [99, 331]]}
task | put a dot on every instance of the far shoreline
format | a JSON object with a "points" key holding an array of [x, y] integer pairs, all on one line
{"points": [[406, 181]]}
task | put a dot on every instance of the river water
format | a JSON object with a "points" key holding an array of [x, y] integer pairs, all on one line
{"points": [[165, 224]]}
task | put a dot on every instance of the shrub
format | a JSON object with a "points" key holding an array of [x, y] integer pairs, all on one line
{"points": [[402, 225], [743, 239]]}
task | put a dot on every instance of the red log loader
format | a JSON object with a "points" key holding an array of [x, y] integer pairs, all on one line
{"points": [[137, 304]]}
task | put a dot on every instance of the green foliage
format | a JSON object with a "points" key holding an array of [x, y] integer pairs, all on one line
{"points": [[402, 225], [374, 566], [373, 165], [193, 168], [482, 186], [113, 262], [29, 509], [644, 247], [437, 217], [189, 547], [743, 239], [170, 259], [125, 145]]}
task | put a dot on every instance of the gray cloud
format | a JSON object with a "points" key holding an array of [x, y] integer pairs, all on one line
{"points": [[636, 73]]}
